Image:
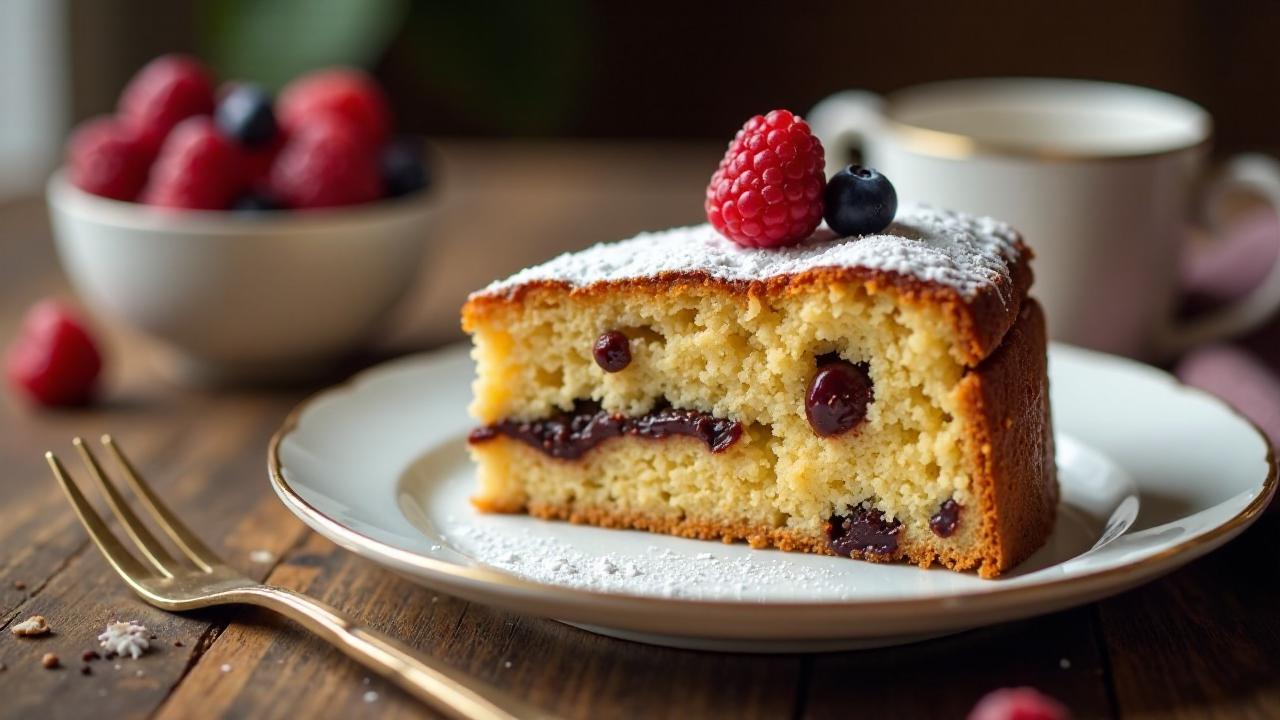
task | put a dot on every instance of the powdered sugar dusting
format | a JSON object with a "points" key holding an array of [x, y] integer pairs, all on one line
{"points": [[125, 638], [949, 248], [647, 570]]}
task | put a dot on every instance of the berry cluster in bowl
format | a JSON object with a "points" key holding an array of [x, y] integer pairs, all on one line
{"points": [[176, 141], [770, 189]]}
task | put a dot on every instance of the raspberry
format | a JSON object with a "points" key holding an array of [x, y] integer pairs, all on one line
{"points": [[347, 93], [198, 168], [165, 92], [1022, 703], [105, 158], [327, 163], [768, 189], [54, 360]]}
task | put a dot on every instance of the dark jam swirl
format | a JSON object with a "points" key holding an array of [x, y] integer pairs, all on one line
{"points": [[862, 529], [569, 435]]}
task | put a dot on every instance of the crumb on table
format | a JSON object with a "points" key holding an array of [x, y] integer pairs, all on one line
{"points": [[50, 661], [33, 626]]}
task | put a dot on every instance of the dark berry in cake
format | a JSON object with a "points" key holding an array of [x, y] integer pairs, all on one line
{"points": [[256, 202], [612, 351], [838, 397], [944, 522], [767, 191], [404, 170], [859, 201], [862, 529], [245, 115]]}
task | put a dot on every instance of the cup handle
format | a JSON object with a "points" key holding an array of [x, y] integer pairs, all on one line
{"points": [[1260, 175], [844, 121]]}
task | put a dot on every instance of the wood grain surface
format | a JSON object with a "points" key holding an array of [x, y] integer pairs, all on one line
{"points": [[1203, 642]]}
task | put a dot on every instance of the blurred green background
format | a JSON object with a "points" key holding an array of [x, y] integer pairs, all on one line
{"points": [[513, 69], [687, 69]]}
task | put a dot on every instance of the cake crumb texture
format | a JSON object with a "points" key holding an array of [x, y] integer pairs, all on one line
{"points": [[935, 430]]}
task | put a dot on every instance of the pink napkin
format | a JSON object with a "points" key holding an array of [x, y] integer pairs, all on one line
{"points": [[1244, 372]]}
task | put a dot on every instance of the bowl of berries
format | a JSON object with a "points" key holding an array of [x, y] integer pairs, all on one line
{"points": [[256, 237]]}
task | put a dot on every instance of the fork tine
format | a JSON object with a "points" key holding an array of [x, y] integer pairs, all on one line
{"points": [[151, 548], [191, 545], [121, 559]]}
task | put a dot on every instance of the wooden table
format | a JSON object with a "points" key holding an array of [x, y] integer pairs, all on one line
{"points": [[1204, 641]]}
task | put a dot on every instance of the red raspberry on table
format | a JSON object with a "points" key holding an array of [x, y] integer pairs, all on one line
{"points": [[326, 163], [106, 158], [768, 189], [349, 94], [198, 169], [165, 92], [54, 360], [1023, 703]]}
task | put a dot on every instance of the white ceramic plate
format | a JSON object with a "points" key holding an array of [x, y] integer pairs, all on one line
{"points": [[1153, 473]]}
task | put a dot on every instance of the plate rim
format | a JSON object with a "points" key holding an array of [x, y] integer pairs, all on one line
{"points": [[1140, 570]]}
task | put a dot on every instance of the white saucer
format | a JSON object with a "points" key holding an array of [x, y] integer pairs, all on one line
{"points": [[1153, 473]]}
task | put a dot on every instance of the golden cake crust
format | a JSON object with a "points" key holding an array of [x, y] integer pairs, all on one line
{"points": [[1011, 441], [979, 321]]}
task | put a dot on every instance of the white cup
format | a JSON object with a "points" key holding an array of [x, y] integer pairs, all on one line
{"points": [[1101, 180]]}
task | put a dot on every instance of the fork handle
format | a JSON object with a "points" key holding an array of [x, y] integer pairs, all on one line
{"points": [[435, 683]]}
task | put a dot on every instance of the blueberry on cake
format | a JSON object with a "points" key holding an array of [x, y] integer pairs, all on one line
{"points": [[880, 396]]}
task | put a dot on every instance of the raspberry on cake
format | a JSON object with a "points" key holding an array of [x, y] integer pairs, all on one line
{"points": [[881, 397], [767, 191]]}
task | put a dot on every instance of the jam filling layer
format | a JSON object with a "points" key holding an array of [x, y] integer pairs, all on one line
{"points": [[569, 435], [862, 529]]}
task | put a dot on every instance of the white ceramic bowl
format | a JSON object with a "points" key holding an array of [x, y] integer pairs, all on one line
{"points": [[241, 296]]}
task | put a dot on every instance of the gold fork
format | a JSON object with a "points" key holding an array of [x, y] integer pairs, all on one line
{"points": [[173, 585]]}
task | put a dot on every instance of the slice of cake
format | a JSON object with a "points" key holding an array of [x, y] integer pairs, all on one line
{"points": [[881, 397]]}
